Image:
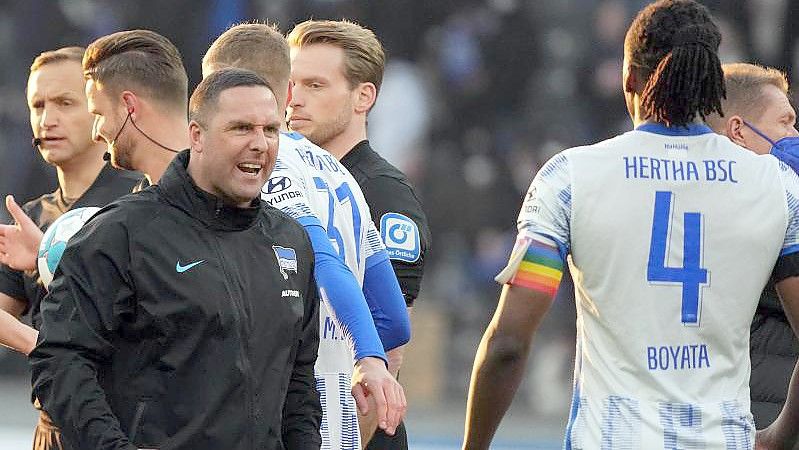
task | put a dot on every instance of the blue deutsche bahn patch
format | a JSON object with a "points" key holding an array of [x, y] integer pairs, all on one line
{"points": [[401, 237], [286, 260]]}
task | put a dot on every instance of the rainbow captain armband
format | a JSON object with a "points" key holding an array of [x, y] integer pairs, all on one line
{"points": [[535, 264]]}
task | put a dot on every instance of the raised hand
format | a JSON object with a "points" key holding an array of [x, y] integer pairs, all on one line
{"points": [[19, 243]]}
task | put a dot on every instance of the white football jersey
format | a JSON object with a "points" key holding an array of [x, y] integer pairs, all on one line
{"points": [[672, 237], [309, 182]]}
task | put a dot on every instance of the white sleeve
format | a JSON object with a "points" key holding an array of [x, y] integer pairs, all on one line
{"points": [[546, 209]]}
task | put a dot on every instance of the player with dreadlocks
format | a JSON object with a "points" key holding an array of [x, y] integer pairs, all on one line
{"points": [[670, 232]]}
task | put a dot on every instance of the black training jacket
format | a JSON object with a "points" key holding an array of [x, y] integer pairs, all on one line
{"points": [[175, 322], [774, 351]]}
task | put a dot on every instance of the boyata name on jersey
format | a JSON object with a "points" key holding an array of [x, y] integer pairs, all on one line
{"points": [[648, 168], [678, 357]]}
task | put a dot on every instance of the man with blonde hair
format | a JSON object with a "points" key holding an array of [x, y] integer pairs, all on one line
{"points": [[758, 116], [337, 70], [352, 268], [757, 110]]}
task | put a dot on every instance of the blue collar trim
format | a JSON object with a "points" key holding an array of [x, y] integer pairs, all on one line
{"points": [[693, 129], [293, 135]]}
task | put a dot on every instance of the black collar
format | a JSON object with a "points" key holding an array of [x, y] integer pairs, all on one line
{"points": [[179, 189], [354, 156]]}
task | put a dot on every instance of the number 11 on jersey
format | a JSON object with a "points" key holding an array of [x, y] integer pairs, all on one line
{"points": [[691, 276]]}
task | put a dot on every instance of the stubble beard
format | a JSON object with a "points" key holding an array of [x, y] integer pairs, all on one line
{"points": [[326, 132], [121, 154]]}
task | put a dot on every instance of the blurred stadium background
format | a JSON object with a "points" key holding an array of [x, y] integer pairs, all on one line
{"points": [[477, 94]]}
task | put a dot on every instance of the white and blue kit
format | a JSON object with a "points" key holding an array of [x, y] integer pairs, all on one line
{"points": [[671, 235], [352, 265]]}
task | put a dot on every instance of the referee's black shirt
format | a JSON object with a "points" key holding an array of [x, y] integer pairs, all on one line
{"points": [[109, 185], [397, 212]]}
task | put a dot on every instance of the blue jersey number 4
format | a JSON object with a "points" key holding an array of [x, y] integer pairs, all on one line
{"points": [[691, 276]]}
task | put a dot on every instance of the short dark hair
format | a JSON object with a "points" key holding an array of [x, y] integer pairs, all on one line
{"points": [[142, 57], [207, 93], [74, 54], [675, 43]]}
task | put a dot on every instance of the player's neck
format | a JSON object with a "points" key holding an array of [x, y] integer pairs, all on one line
{"points": [[76, 176], [153, 159], [639, 119], [343, 143], [170, 132], [636, 113]]}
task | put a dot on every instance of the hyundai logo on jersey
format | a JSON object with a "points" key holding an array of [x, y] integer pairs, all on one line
{"points": [[277, 184], [286, 260], [401, 237]]}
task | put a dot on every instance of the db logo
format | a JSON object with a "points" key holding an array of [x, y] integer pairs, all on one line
{"points": [[401, 237], [277, 184], [398, 232]]}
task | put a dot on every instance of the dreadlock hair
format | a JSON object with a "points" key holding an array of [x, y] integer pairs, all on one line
{"points": [[675, 43]]}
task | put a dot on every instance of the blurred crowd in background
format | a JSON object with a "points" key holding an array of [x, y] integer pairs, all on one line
{"points": [[477, 95]]}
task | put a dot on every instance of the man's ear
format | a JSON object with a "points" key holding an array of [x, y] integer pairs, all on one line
{"points": [[131, 103], [196, 136], [630, 80], [734, 130], [366, 96]]}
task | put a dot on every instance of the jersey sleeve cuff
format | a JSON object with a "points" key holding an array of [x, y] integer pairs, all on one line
{"points": [[372, 354]]}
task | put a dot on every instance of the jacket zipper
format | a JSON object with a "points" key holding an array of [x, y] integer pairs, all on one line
{"points": [[241, 327], [141, 406]]}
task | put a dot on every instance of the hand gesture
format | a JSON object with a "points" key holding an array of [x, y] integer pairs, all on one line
{"points": [[19, 243]]}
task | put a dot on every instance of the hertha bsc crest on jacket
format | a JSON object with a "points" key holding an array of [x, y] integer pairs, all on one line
{"points": [[286, 260]]}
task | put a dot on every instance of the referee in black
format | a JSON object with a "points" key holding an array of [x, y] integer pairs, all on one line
{"points": [[337, 69], [61, 125]]}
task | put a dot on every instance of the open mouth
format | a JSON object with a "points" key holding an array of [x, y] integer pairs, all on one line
{"points": [[250, 168]]}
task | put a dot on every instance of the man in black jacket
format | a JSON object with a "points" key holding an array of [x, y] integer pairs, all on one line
{"points": [[185, 316], [337, 68], [757, 113]]}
